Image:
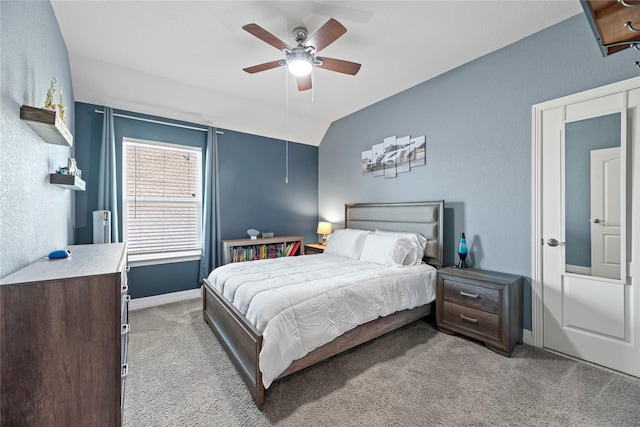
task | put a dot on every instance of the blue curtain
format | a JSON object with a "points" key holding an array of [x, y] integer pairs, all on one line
{"points": [[210, 208], [107, 189]]}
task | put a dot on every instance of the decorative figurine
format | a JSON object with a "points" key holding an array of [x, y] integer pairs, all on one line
{"points": [[462, 251], [72, 166], [62, 108], [49, 103]]}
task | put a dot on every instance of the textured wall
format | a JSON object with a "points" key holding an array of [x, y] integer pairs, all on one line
{"points": [[35, 217], [477, 122], [253, 191]]}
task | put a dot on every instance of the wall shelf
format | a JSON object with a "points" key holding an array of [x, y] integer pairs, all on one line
{"points": [[70, 182], [47, 124]]}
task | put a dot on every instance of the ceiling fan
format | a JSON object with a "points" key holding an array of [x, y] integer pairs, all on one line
{"points": [[301, 59]]}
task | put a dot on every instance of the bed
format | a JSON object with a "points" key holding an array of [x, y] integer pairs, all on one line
{"points": [[239, 322]]}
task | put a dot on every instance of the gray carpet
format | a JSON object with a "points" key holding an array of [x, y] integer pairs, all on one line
{"points": [[415, 376]]}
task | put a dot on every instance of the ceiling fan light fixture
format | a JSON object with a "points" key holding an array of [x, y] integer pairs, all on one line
{"points": [[299, 63]]}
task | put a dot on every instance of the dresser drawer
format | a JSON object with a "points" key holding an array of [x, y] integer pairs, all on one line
{"points": [[471, 295], [478, 321]]}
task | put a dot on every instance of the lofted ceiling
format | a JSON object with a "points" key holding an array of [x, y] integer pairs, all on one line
{"points": [[184, 59]]}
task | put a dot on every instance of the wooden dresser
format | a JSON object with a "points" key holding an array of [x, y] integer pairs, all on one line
{"points": [[64, 338], [484, 305]]}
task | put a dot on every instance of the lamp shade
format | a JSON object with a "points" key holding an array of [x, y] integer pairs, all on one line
{"points": [[300, 67], [324, 228], [299, 62]]}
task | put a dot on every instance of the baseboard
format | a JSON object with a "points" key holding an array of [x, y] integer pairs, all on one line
{"points": [[527, 336], [139, 303]]}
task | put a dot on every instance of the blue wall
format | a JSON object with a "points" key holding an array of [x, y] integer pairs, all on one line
{"points": [[253, 192], [35, 216], [253, 188], [477, 122]]}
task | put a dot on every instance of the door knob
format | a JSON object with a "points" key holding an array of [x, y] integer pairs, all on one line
{"points": [[554, 242]]}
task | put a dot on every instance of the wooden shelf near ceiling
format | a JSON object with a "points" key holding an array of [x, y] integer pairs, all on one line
{"points": [[47, 124], [608, 19]]}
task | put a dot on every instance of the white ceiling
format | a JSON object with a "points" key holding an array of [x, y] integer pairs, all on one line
{"points": [[184, 59]]}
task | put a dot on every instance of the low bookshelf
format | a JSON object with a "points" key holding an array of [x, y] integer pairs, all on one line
{"points": [[253, 249]]}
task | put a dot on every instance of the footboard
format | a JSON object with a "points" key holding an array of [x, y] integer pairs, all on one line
{"points": [[240, 338]]}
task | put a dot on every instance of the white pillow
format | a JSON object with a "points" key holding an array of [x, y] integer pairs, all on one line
{"points": [[418, 241], [392, 251], [346, 242]]}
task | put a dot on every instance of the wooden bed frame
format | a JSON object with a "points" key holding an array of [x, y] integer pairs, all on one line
{"points": [[243, 341]]}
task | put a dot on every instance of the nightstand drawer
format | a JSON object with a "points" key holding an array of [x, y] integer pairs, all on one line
{"points": [[470, 295], [487, 324]]}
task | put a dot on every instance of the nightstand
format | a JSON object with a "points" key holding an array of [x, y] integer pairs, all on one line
{"points": [[480, 304], [313, 248]]}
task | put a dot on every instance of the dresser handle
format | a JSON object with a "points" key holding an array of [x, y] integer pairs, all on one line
{"points": [[469, 319], [465, 294], [124, 329]]}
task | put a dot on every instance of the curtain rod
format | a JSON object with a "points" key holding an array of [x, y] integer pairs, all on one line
{"points": [[159, 122]]}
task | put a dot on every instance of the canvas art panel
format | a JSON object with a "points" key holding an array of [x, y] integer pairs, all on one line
{"points": [[388, 157], [367, 162], [376, 156], [418, 151], [402, 154]]}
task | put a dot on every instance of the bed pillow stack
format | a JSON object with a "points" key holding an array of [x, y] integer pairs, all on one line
{"points": [[347, 243], [417, 241], [389, 248], [391, 251]]}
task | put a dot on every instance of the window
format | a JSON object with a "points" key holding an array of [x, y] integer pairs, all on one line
{"points": [[162, 200]]}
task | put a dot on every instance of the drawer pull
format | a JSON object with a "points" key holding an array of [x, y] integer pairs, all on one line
{"points": [[124, 371], [125, 329], [466, 294], [469, 319]]}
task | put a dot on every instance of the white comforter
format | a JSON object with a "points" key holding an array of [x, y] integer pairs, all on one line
{"points": [[300, 303]]}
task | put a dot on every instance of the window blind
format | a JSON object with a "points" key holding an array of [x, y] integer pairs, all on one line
{"points": [[163, 197]]}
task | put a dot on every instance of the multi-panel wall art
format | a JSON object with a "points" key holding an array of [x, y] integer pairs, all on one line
{"points": [[394, 155]]}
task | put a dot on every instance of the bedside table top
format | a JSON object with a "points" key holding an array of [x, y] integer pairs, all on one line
{"points": [[477, 273], [318, 246]]}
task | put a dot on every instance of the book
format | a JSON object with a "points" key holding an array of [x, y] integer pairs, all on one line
{"points": [[296, 245]]}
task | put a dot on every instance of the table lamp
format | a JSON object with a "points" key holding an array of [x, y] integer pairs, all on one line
{"points": [[324, 228]]}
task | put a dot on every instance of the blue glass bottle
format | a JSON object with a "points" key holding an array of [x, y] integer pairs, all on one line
{"points": [[462, 251]]}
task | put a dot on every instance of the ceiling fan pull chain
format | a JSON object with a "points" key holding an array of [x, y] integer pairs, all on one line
{"points": [[313, 85], [286, 114]]}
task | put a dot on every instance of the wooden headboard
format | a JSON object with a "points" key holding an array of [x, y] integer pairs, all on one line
{"points": [[416, 217]]}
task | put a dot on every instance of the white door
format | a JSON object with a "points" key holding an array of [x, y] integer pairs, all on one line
{"points": [[585, 314], [605, 212]]}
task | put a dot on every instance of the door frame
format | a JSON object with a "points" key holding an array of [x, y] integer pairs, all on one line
{"points": [[537, 241]]}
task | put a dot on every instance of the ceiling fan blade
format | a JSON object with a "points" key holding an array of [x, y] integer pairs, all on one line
{"points": [[326, 35], [304, 82], [340, 66], [263, 67], [266, 36]]}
